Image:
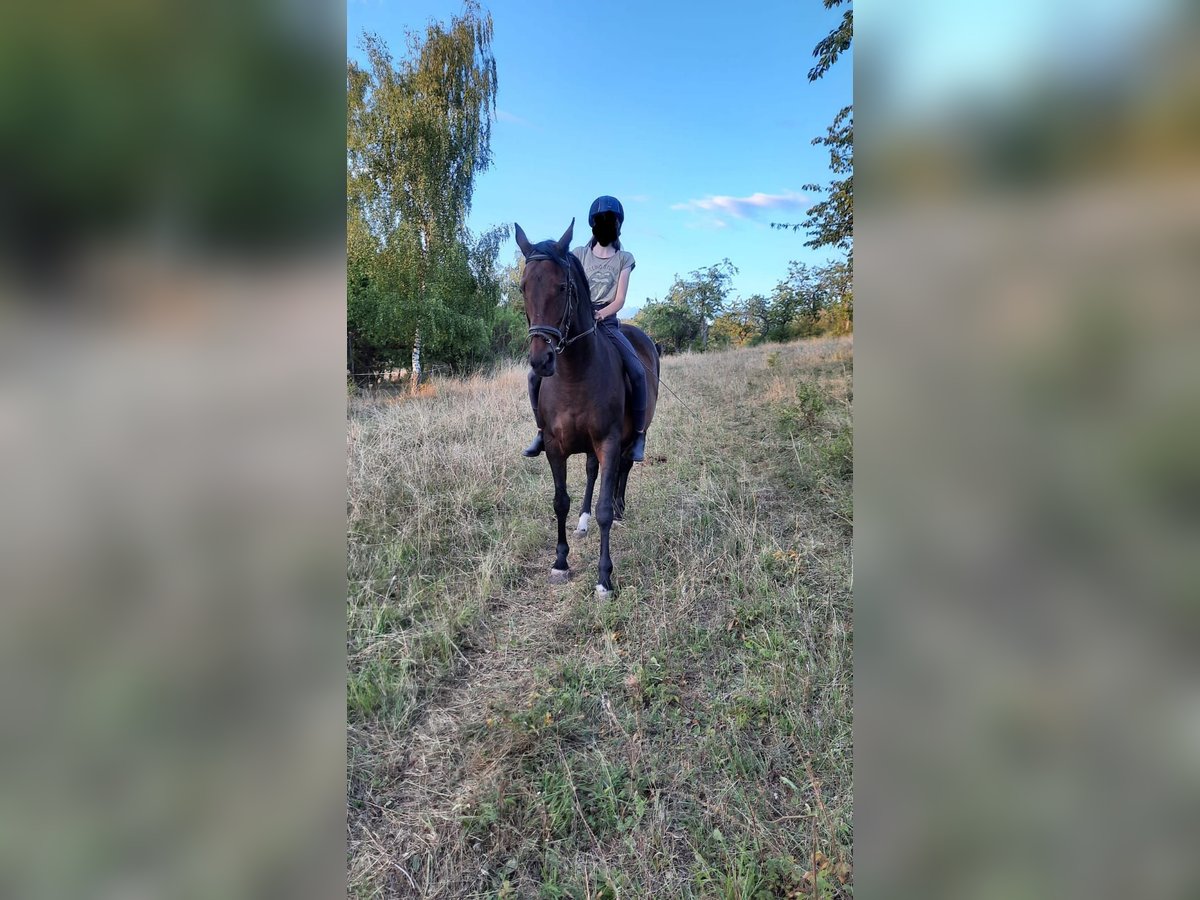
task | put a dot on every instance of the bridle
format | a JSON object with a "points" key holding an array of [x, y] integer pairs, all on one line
{"points": [[557, 337]]}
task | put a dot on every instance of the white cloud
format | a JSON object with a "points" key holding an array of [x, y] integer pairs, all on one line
{"points": [[503, 115], [745, 207]]}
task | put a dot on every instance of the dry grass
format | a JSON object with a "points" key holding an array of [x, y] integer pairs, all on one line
{"points": [[689, 737]]}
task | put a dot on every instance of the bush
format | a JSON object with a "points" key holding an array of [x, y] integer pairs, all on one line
{"points": [[806, 411]]}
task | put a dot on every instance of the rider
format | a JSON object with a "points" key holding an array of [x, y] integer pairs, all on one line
{"points": [[607, 268]]}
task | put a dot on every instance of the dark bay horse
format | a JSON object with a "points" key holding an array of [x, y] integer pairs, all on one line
{"points": [[582, 403]]}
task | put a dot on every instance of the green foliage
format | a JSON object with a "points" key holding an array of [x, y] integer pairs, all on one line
{"points": [[418, 132], [670, 324], [810, 400], [509, 326], [834, 44], [683, 320], [703, 293], [811, 300], [837, 314], [731, 329], [805, 411], [509, 333], [830, 222]]}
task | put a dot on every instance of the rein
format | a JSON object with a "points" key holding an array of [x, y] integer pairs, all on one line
{"points": [[557, 337]]}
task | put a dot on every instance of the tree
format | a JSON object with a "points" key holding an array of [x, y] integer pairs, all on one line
{"points": [[796, 304], [509, 327], [811, 300], [838, 315], [834, 44], [417, 134], [669, 323], [703, 294], [830, 222], [757, 311], [733, 328]]}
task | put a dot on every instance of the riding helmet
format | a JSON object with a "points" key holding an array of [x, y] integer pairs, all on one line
{"points": [[606, 204]]}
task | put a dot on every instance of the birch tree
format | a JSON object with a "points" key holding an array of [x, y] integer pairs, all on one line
{"points": [[418, 133]]}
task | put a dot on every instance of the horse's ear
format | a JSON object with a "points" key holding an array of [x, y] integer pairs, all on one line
{"points": [[522, 241], [564, 242]]}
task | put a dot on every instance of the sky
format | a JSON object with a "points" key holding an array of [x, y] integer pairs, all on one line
{"points": [[928, 56], [697, 116]]}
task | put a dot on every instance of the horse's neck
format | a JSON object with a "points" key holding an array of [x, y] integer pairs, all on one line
{"points": [[576, 362], [577, 359]]}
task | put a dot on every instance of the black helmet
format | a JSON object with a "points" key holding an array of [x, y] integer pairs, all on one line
{"points": [[606, 204]]}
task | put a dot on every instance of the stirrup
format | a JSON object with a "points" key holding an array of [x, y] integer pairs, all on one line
{"points": [[536, 447], [637, 452]]}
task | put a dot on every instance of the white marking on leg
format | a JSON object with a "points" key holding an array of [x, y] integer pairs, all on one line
{"points": [[583, 523], [602, 592]]}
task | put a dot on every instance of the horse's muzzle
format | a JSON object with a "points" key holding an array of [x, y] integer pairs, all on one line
{"points": [[541, 358]]}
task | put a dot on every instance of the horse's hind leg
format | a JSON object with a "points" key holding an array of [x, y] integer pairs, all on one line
{"points": [[593, 466], [562, 505], [610, 461], [622, 480]]}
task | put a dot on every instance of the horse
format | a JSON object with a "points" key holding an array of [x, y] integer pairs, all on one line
{"points": [[583, 405]]}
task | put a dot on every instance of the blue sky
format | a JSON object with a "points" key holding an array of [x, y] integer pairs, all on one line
{"points": [[697, 116], [931, 56]]}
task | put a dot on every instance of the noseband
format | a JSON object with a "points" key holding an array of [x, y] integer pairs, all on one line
{"points": [[557, 337]]}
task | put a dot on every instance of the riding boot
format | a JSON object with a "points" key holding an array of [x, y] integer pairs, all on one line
{"points": [[536, 447], [637, 452]]}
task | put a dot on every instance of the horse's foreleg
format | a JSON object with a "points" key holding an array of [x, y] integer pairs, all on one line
{"points": [[593, 466], [609, 461], [562, 505]]}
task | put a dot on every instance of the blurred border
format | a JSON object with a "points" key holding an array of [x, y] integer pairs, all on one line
{"points": [[1027, 450], [172, 421]]}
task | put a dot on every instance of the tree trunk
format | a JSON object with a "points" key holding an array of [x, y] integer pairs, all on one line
{"points": [[415, 377], [416, 354]]}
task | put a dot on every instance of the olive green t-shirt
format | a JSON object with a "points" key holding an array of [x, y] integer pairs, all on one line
{"points": [[603, 274]]}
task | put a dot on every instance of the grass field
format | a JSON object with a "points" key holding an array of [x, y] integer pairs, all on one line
{"points": [[691, 736]]}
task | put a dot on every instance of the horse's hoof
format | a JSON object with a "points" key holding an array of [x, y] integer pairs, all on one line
{"points": [[560, 576], [602, 593]]}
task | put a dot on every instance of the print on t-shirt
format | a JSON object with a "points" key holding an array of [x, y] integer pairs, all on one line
{"points": [[601, 284]]}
